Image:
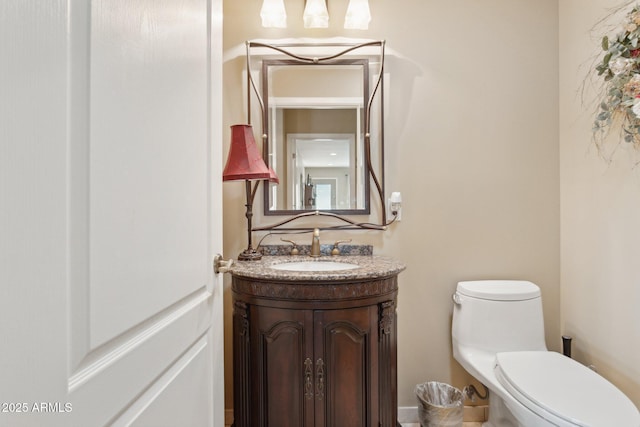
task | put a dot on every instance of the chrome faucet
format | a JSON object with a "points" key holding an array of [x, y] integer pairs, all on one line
{"points": [[315, 243]]}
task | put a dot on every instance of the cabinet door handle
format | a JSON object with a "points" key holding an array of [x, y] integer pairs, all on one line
{"points": [[319, 379], [308, 381]]}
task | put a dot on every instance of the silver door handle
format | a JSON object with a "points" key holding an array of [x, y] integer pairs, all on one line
{"points": [[220, 265]]}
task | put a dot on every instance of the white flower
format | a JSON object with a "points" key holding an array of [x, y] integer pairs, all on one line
{"points": [[636, 107], [620, 65]]}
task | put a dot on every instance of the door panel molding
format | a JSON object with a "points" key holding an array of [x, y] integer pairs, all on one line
{"points": [[103, 357], [135, 367], [160, 386]]}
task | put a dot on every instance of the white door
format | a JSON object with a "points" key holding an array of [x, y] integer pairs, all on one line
{"points": [[110, 213]]}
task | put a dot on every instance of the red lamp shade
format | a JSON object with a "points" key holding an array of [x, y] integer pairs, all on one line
{"points": [[272, 176], [245, 161]]}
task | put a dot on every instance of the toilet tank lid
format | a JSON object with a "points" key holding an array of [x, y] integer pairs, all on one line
{"points": [[499, 290]]}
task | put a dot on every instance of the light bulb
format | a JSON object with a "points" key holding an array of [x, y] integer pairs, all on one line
{"points": [[273, 14], [358, 15], [316, 14]]}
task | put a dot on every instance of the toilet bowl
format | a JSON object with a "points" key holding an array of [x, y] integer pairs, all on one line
{"points": [[498, 337]]}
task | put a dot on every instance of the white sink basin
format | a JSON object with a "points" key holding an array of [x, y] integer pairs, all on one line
{"points": [[314, 266]]}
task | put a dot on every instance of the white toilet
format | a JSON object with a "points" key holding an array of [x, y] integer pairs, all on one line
{"points": [[498, 337]]}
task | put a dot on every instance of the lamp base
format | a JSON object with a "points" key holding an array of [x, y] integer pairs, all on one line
{"points": [[249, 254]]}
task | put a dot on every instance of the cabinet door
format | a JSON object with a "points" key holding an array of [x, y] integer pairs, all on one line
{"points": [[346, 366], [282, 371]]}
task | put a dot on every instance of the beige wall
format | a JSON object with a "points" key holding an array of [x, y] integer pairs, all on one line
{"points": [[599, 216], [472, 136]]}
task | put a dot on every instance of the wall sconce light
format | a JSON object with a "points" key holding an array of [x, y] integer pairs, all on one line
{"points": [[245, 163], [273, 14], [316, 14]]}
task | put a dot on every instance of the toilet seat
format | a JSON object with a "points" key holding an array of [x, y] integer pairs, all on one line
{"points": [[563, 391]]}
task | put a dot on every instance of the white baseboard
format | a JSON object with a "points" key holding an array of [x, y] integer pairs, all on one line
{"points": [[408, 414]]}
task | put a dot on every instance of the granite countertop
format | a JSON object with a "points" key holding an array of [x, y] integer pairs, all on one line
{"points": [[369, 267]]}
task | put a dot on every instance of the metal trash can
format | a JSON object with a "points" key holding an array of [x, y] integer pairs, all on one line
{"points": [[440, 405]]}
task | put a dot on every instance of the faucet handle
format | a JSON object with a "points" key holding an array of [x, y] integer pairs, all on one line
{"points": [[294, 249], [336, 251]]}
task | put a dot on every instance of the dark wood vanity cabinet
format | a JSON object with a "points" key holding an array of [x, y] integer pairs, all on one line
{"points": [[315, 354]]}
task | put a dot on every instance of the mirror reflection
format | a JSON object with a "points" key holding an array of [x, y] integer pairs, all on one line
{"points": [[324, 172], [315, 120]]}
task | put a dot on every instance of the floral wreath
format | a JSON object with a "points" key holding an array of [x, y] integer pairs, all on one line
{"points": [[620, 68]]}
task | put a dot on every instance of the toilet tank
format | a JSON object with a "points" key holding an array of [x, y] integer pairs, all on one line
{"points": [[497, 315]]}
